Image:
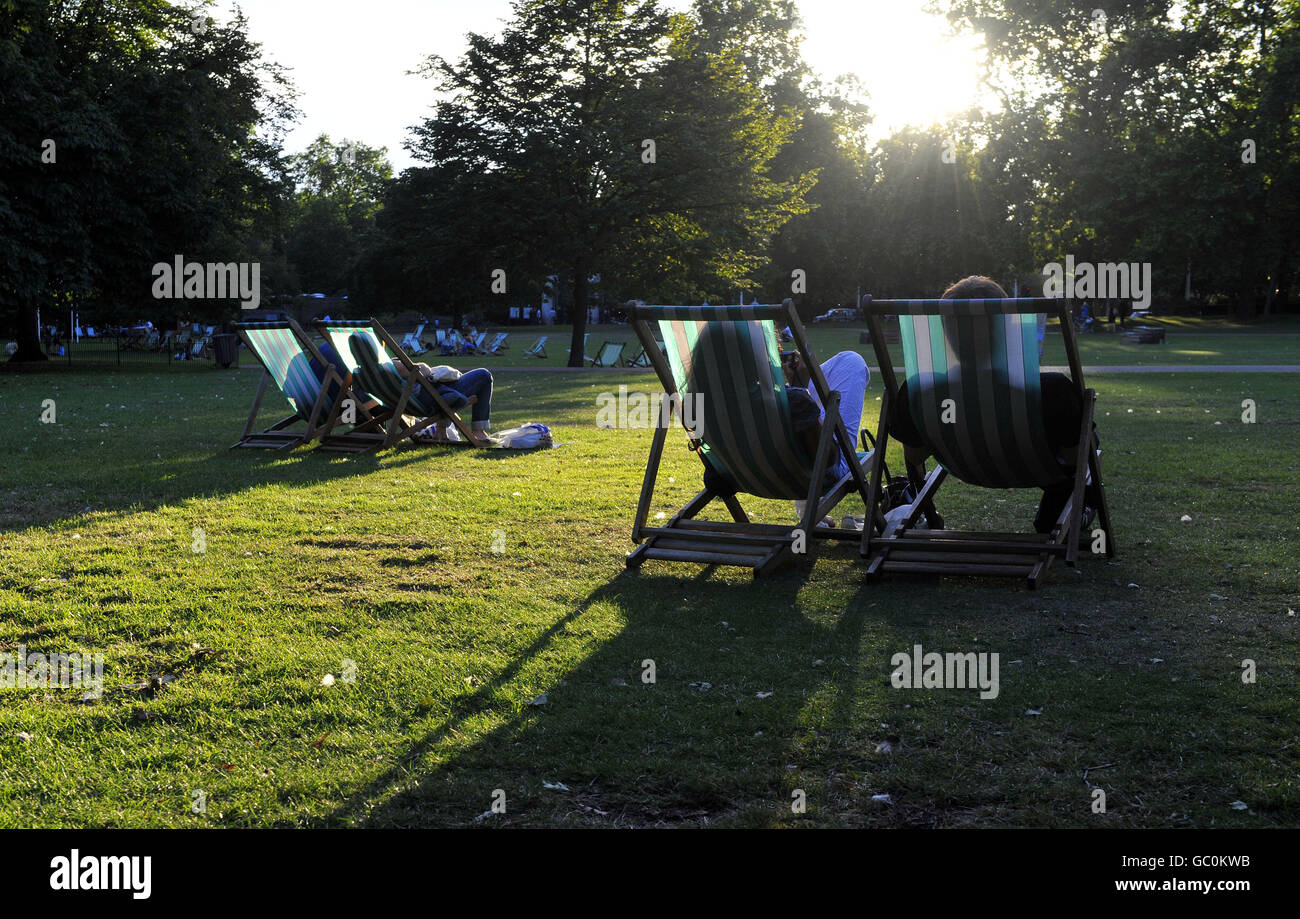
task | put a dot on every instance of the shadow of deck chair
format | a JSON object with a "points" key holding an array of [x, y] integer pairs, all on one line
{"points": [[974, 395], [285, 352], [722, 366], [370, 353], [609, 355], [538, 349]]}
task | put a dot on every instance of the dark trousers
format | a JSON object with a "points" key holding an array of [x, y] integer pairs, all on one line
{"points": [[1062, 416]]}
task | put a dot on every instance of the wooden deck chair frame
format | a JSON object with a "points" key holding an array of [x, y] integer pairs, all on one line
{"points": [[642, 358], [941, 551], [740, 542], [397, 427], [604, 357], [538, 349], [322, 414]]}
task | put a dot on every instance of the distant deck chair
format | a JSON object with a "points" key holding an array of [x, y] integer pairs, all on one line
{"points": [[285, 352], [412, 342], [609, 355], [537, 350], [369, 353], [642, 358], [974, 394], [725, 361], [585, 359], [497, 343]]}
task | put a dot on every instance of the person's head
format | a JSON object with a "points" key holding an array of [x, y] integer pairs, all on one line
{"points": [[975, 287]]}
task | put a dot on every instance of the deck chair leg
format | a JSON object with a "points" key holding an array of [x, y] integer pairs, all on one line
{"points": [[257, 403], [648, 483], [737, 512], [877, 471], [395, 426], [1081, 467], [1103, 510]]}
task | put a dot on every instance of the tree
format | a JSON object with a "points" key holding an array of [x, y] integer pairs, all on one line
{"points": [[340, 189], [1130, 124], [128, 134], [602, 136]]}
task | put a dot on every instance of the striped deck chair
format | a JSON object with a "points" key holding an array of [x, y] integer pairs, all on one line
{"points": [[724, 361], [411, 343], [538, 349], [974, 394], [411, 403], [609, 355], [642, 358], [285, 353], [497, 343]]}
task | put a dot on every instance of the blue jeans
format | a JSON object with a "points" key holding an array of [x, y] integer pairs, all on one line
{"points": [[477, 383]]}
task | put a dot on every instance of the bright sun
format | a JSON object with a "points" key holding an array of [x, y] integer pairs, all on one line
{"points": [[915, 73]]}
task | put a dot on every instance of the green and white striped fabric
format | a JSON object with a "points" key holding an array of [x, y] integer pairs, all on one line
{"points": [[733, 368], [380, 377], [983, 357], [280, 352]]}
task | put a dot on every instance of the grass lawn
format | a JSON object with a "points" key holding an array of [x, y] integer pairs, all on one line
{"points": [[762, 688], [1277, 342]]}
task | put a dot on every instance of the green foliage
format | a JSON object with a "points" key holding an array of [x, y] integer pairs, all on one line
{"points": [[340, 191], [165, 142], [1126, 135]]}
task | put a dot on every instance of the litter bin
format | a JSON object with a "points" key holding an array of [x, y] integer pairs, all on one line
{"points": [[225, 348]]}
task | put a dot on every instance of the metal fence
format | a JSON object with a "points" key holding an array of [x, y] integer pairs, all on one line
{"points": [[123, 347]]}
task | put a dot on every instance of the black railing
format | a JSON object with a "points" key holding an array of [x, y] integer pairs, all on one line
{"points": [[123, 347]]}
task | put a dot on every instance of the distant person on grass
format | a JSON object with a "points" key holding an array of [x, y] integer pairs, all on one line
{"points": [[1062, 416]]}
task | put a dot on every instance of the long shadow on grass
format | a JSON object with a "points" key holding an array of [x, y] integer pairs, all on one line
{"points": [[145, 486], [749, 675], [732, 670]]}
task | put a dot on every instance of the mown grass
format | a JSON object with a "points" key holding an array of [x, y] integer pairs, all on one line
{"points": [[313, 560], [1274, 342]]}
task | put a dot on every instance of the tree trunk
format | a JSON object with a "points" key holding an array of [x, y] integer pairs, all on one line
{"points": [[576, 347], [29, 336]]}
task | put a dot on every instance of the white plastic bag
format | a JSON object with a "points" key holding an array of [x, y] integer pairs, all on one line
{"points": [[526, 437]]}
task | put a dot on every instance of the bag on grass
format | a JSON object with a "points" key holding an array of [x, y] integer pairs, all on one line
{"points": [[526, 437]]}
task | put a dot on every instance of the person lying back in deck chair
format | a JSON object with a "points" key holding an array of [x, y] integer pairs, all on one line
{"points": [[847, 374], [456, 388], [368, 402], [1062, 416]]}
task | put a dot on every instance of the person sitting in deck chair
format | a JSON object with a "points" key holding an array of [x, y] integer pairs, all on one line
{"points": [[456, 388], [1062, 416], [368, 402], [846, 373]]}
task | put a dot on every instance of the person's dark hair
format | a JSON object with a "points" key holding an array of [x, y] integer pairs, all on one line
{"points": [[975, 287]]}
